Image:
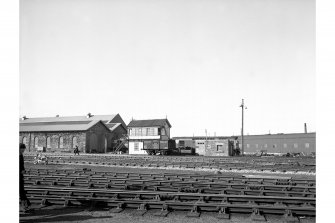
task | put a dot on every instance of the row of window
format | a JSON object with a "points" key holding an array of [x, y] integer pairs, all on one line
{"points": [[60, 142], [295, 145], [146, 131], [136, 146]]}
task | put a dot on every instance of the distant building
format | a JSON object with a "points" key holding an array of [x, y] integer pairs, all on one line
{"points": [[91, 133], [279, 143], [208, 146], [148, 135]]}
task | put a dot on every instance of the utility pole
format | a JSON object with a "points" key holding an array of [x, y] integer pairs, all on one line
{"points": [[206, 140], [242, 133]]}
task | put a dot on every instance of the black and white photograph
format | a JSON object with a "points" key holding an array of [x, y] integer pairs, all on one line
{"points": [[167, 111]]}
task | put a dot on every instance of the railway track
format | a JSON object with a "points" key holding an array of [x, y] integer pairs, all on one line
{"points": [[228, 163], [192, 193]]}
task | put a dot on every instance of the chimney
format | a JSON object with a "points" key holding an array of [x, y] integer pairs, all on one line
{"points": [[89, 115], [57, 116], [305, 128], [24, 118]]}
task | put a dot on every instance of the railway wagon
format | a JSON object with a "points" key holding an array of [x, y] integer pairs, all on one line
{"points": [[163, 147], [151, 147]]}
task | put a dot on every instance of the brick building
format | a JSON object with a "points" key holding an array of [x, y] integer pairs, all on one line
{"points": [[208, 146], [91, 133]]}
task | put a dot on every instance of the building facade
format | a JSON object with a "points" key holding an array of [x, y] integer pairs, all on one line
{"points": [[148, 135], [280, 143], [208, 146], [91, 133]]}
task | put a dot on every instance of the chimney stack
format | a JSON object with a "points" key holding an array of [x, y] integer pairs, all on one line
{"points": [[24, 118], [89, 115], [305, 128]]}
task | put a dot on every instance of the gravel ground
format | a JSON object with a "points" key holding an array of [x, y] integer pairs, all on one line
{"points": [[70, 215], [105, 168]]}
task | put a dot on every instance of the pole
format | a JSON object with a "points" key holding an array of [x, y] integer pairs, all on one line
{"points": [[242, 132], [206, 140]]}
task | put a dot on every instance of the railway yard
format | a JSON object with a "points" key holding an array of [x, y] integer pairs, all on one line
{"points": [[124, 188]]}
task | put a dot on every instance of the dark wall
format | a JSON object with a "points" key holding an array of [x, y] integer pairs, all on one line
{"points": [[55, 145], [97, 138]]}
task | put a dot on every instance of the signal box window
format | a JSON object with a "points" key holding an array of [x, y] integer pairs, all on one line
{"points": [[136, 146]]}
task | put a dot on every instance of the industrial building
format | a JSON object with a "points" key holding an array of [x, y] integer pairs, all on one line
{"points": [[209, 146], [280, 143], [91, 133], [148, 135]]}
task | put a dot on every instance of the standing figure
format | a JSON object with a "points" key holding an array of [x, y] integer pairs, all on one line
{"points": [[76, 151], [24, 202]]}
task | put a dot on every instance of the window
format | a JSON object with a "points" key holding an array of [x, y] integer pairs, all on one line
{"points": [[152, 131], [295, 145], [138, 132], [306, 145], [136, 146], [285, 145], [24, 140], [159, 131], [147, 131], [36, 141], [74, 142], [48, 142], [218, 147], [144, 131], [61, 143]]}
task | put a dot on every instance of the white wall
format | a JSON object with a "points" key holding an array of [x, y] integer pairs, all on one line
{"points": [[140, 147], [145, 137]]}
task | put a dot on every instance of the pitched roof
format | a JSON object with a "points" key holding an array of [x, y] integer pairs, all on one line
{"points": [[104, 118], [67, 123], [62, 126], [113, 126], [149, 123]]}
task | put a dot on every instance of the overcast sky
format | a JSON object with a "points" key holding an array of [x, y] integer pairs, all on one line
{"points": [[190, 60]]}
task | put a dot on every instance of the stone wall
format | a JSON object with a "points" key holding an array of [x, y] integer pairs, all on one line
{"points": [[55, 145], [217, 148]]}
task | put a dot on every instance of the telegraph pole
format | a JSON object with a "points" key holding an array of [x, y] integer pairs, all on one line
{"points": [[242, 131]]}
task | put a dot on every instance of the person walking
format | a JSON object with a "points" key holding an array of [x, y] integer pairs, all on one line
{"points": [[24, 202], [76, 151]]}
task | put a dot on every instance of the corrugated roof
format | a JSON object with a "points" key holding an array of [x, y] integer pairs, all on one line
{"points": [[149, 123], [58, 126]]}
